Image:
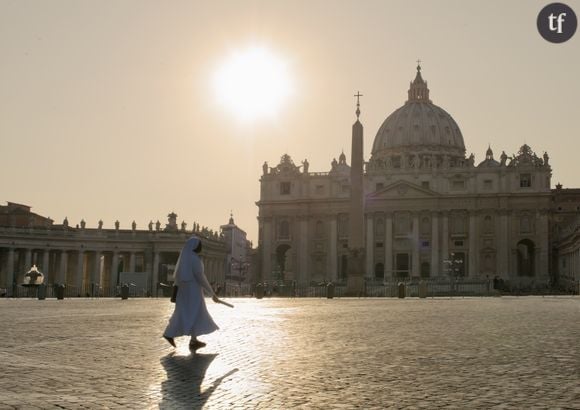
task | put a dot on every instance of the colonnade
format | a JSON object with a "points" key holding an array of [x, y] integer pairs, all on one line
{"points": [[84, 267]]}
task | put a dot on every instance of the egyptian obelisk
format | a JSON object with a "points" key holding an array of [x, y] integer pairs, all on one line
{"points": [[356, 249]]}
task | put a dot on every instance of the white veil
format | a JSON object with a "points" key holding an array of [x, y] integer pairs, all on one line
{"points": [[187, 259]]}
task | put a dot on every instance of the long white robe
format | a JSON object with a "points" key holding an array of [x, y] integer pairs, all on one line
{"points": [[190, 316]]}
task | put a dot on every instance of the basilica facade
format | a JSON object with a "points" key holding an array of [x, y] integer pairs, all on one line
{"points": [[430, 211]]}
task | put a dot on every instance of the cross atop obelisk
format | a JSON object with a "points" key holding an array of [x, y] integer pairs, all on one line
{"points": [[358, 95]]}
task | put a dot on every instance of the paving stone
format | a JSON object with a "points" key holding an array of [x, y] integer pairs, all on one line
{"points": [[294, 353]]}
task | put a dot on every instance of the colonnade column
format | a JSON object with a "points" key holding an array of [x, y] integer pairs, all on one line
{"points": [[10, 279], [45, 265], [80, 266], [115, 268], [28, 260], [96, 273], [302, 275], [370, 245], [435, 260], [63, 267], [444, 244], [473, 248], [132, 262], [416, 268], [389, 245], [155, 271]]}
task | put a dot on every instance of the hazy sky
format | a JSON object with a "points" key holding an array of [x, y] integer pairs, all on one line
{"points": [[107, 110]]}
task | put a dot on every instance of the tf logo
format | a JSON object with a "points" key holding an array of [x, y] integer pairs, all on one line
{"points": [[557, 23]]}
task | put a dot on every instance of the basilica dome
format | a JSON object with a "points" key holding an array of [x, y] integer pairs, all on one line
{"points": [[419, 128]]}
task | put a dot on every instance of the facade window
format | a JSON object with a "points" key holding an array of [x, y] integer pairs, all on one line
{"points": [[488, 184], [319, 230], [458, 224], [458, 243], [379, 244], [525, 224], [425, 184], [424, 244], [342, 226], [380, 228], [525, 180], [487, 224], [285, 188], [458, 185], [402, 224], [284, 232], [425, 226]]}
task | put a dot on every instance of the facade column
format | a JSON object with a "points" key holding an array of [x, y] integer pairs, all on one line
{"points": [[333, 251], [155, 271], [370, 246], [444, 244], [63, 267], [267, 241], [10, 277], [302, 274], [543, 231], [416, 248], [388, 245], [132, 262], [473, 271], [503, 245], [435, 259], [80, 266]]}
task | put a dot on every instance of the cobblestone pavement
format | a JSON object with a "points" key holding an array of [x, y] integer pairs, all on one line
{"points": [[283, 353]]}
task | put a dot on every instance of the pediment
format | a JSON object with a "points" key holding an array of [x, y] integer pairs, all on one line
{"points": [[403, 189]]}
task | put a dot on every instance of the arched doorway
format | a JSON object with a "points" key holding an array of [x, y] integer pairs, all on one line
{"points": [[526, 255], [379, 271], [343, 267], [425, 270], [281, 265]]}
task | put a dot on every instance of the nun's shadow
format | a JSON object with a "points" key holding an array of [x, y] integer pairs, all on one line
{"points": [[185, 374]]}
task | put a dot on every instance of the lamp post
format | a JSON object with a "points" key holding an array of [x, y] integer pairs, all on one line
{"points": [[453, 267], [240, 266]]}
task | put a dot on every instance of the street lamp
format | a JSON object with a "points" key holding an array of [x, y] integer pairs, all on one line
{"points": [[453, 266]]}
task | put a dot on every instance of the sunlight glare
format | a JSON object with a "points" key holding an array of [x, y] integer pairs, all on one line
{"points": [[253, 84]]}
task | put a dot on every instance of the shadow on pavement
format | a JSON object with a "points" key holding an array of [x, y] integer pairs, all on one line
{"points": [[185, 375]]}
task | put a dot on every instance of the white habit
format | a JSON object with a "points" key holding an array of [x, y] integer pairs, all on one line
{"points": [[190, 317]]}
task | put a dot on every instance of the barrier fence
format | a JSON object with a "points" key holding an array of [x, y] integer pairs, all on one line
{"points": [[427, 288]]}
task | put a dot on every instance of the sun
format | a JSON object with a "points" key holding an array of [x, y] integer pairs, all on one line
{"points": [[253, 83]]}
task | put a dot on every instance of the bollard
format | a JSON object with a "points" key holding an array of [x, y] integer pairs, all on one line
{"points": [[59, 290], [125, 292], [401, 288], [330, 290], [259, 291], [422, 289], [41, 292]]}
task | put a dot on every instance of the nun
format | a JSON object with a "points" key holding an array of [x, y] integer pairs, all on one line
{"points": [[190, 316]]}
